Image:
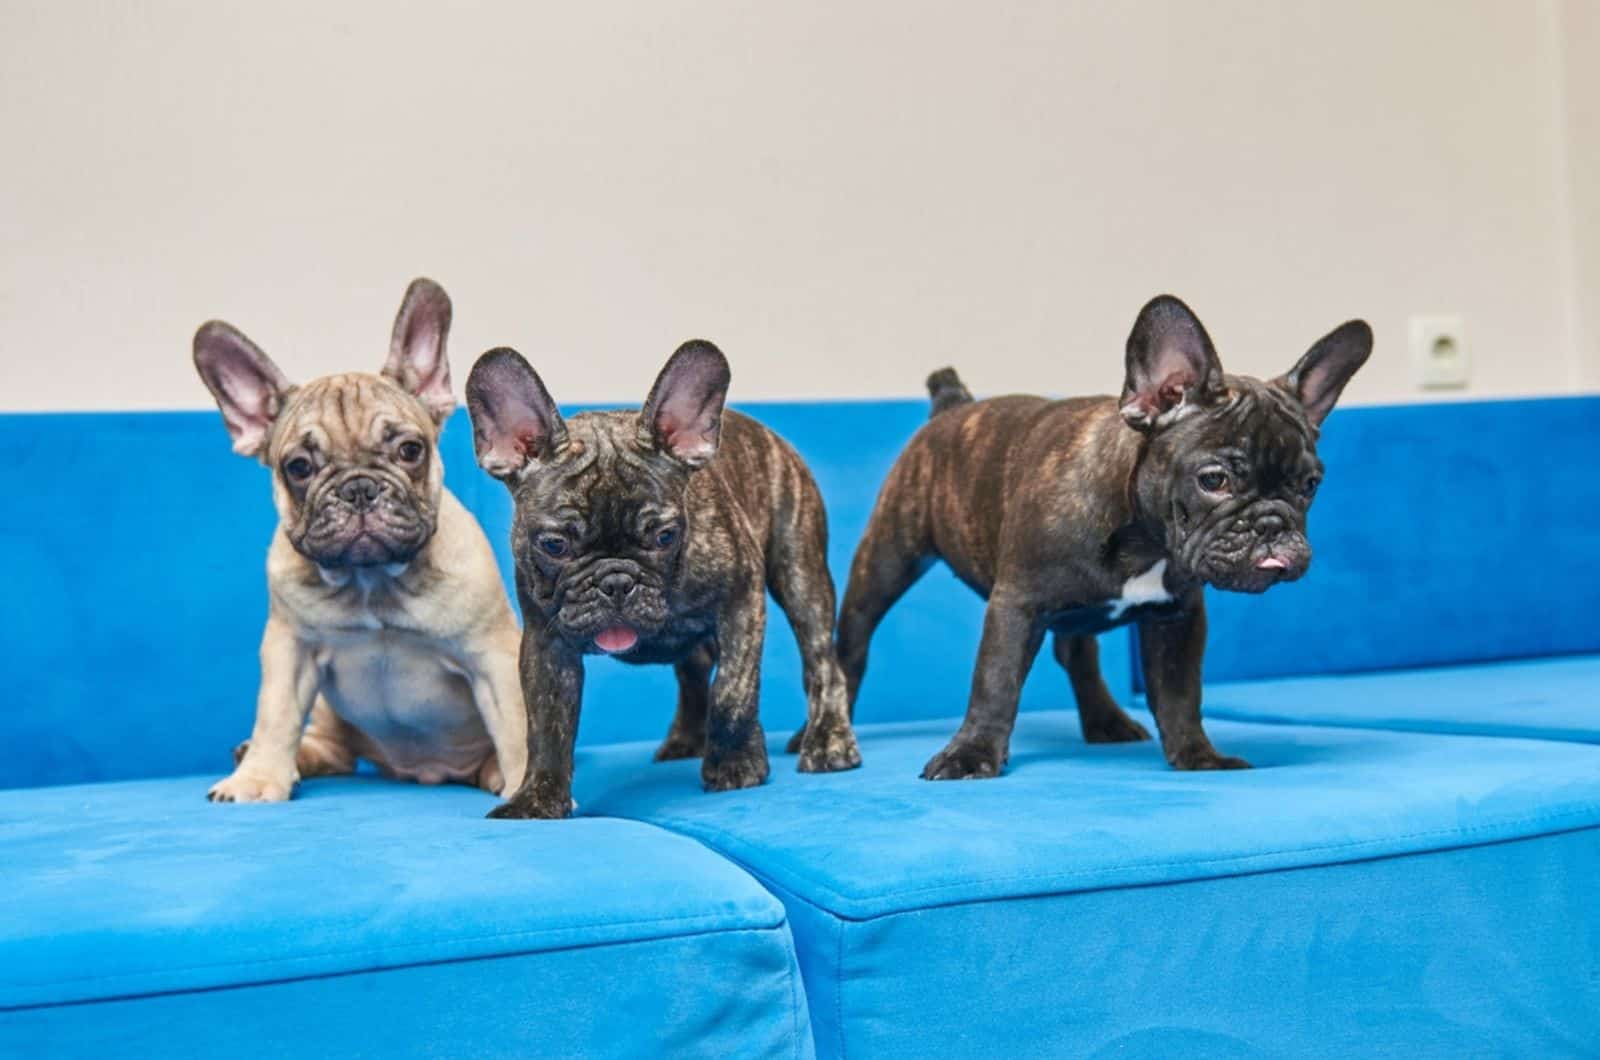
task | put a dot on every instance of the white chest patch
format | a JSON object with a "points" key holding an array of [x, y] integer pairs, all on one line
{"points": [[1147, 588]]}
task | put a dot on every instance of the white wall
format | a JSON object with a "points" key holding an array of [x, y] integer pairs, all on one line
{"points": [[841, 194]]}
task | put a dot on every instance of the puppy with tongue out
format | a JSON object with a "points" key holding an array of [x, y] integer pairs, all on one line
{"points": [[654, 537]]}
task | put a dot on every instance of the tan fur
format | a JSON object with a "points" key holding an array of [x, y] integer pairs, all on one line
{"points": [[414, 669]]}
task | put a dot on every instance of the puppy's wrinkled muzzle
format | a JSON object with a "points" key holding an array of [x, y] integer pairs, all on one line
{"points": [[350, 538], [611, 604]]}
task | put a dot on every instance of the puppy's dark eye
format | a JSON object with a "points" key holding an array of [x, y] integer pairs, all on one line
{"points": [[299, 468], [1212, 480], [1310, 488], [553, 545], [411, 451], [666, 536]]}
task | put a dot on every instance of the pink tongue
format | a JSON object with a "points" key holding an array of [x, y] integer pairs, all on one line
{"points": [[1273, 563], [615, 638]]}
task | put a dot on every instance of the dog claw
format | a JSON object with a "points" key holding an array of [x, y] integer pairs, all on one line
{"points": [[531, 810], [1206, 758], [965, 761], [246, 787], [732, 772], [825, 751]]}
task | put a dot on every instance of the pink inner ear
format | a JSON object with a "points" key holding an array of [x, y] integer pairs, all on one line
{"points": [[248, 405], [1171, 392], [686, 439]]}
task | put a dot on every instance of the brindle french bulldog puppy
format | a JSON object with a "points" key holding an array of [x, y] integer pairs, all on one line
{"points": [[654, 536], [1073, 517], [388, 623]]}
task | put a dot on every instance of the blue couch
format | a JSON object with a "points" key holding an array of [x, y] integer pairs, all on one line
{"points": [[1413, 865]]}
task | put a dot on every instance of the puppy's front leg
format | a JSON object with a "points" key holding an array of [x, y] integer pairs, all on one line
{"points": [[552, 685], [736, 752], [497, 693], [267, 771], [1171, 652], [1012, 634]]}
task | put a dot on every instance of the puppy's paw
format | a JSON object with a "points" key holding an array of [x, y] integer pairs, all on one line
{"points": [[490, 777], [965, 760], [533, 808], [1113, 728], [797, 741], [239, 752], [731, 770], [252, 787], [678, 745], [828, 750], [1204, 757]]}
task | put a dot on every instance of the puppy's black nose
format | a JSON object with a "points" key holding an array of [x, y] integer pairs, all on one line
{"points": [[1269, 524], [616, 584], [359, 491]]}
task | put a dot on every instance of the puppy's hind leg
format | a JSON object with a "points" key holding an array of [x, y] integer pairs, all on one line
{"points": [[1102, 720], [687, 736], [797, 575], [892, 555]]}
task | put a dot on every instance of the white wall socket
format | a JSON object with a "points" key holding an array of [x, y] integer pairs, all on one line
{"points": [[1439, 352]]}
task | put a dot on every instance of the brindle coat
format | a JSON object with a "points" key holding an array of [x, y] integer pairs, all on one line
{"points": [[1073, 517], [656, 536]]}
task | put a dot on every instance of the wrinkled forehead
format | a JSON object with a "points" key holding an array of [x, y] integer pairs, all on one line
{"points": [[1263, 425], [348, 414], [605, 476]]}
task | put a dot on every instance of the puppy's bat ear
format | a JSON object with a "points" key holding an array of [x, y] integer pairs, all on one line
{"points": [[1172, 368], [248, 387], [683, 414], [417, 359], [1319, 378], [514, 421]]}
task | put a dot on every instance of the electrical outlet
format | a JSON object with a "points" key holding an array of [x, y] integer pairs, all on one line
{"points": [[1439, 353]]}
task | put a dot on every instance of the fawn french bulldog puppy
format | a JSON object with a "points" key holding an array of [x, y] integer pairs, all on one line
{"points": [[1073, 517], [654, 536], [388, 623]]}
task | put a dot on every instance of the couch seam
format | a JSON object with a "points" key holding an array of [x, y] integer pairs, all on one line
{"points": [[287, 962], [838, 984], [795, 993], [1485, 731], [1586, 818], [775, 929]]}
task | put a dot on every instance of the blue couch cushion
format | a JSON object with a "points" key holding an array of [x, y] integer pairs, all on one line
{"points": [[138, 591], [1444, 533], [139, 596], [1357, 892], [144, 890], [1546, 699]]}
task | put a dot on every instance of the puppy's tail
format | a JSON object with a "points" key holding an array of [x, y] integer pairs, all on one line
{"points": [[947, 391]]}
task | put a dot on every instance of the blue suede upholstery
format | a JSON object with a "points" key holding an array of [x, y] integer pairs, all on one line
{"points": [[1358, 893], [152, 580], [1382, 882], [359, 894], [1449, 533], [1542, 699]]}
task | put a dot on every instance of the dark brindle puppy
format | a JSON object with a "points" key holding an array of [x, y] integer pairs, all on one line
{"points": [[654, 536], [1072, 517]]}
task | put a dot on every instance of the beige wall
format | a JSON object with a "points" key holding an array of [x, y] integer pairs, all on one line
{"points": [[842, 195], [1578, 28]]}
